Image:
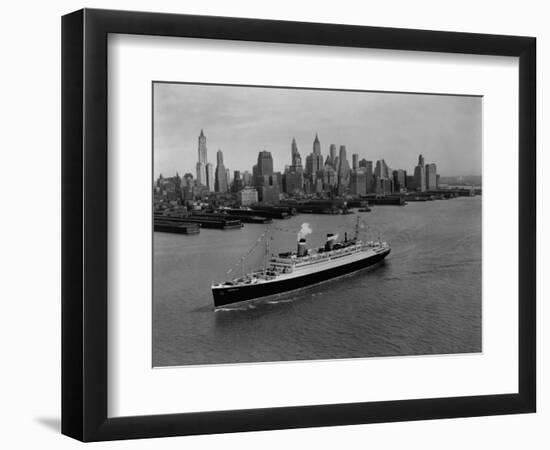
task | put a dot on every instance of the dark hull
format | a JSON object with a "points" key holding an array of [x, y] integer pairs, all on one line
{"points": [[236, 294]]}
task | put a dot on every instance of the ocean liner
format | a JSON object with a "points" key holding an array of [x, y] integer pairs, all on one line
{"points": [[302, 268]]}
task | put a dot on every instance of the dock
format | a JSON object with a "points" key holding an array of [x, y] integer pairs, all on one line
{"points": [[274, 211], [225, 215], [317, 206], [176, 227], [203, 221], [396, 200]]}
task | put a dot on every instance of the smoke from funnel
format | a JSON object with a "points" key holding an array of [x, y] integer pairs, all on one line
{"points": [[304, 231]]}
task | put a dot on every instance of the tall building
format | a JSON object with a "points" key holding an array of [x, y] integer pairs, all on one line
{"points": [[188, 187], [383, 186], [221, 174], [269, 190], [278, 178], [255, 175], [355, 161], [316, 145], [367, 167], [309, 164], [411, 183], [382, 170], [237, 182], [420, 175], [343, 170], [295, 158], [382, 179], [431, 177], [228, 178], [293, 182], [247, 178], [210, 181], [314, 161], [263, 167], [358, 182], [293, 179], [333, 156], [248, 196], [171, 188], [265, 164], [201, 163], [201, 174], [400, 180], [330, 178]]}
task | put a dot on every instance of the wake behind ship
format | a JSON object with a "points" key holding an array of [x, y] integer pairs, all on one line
{"points": [[303, 268]]}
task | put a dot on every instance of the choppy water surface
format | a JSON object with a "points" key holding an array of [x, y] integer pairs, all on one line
{"points": [[425, 298]]}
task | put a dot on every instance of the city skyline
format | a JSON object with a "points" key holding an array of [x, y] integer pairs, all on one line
{"points": [[235, 120]]}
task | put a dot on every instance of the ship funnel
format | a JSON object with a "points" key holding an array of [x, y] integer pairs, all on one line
{"points": [[330, 242], [302, 249]]}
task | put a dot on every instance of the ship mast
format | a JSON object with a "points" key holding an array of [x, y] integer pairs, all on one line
{"points": [[266, 256], [357, 228]]}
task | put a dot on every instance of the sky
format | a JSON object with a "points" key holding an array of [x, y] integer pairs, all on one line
{"points": [[243, 120]]}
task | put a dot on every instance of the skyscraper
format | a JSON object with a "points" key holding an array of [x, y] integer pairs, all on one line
{"points": [[420, 175], [399, 180], [237, 181], [247, 178], [382, 170], [309, 164], [333, 156], [382, 178], [210, 181], [295, 158], [265, 163], [355, 161], [228, 177], [263, 168], [329, 178], [188, 187], [221, 174], [314, 161], [431, 177], [201, 163], [293, 179], [358, 182], [316, 145], [368, 174], [343, 170]]}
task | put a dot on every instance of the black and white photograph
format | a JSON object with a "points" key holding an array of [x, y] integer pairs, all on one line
{"points": [[295, 224], [275, 225]]}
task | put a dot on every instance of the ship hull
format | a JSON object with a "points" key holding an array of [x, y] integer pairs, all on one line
{"points": [[236, 294]]}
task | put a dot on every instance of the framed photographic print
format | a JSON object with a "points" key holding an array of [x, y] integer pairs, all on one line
{"points": [[273, 224]]}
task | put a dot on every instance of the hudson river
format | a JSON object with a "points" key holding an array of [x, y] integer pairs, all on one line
{"points": [[424, 299]]}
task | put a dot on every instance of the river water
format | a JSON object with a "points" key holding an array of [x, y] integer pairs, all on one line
{"points": [[424, 299]]}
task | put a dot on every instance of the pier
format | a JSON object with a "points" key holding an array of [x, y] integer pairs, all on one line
{"points": [[269, 212], [176, 227], [225, 215], [396, 200], [202, 220], [274, 211], [318, 206]]}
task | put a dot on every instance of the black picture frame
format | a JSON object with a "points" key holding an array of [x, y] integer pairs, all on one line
{"points": [[84, 224]]}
